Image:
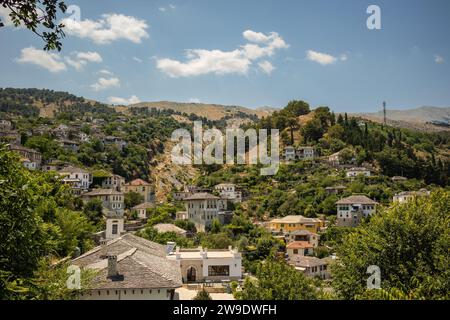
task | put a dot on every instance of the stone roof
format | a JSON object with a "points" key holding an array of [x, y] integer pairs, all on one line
{"points": [[102, 192], [142, 263], [356, 199], [168, 227], [295, 219], [308, 262], [145, 205], [202, 196], [302, 233], [138, 182], [72, 169], [358, 169]]}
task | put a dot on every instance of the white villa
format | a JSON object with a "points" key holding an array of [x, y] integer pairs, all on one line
{"points": [[406, 196], [78, 178], [289, 153], [201, 264], [352, 209], [305, 153], [356, 171], [229, 191], [112, 200], [202, 208]]}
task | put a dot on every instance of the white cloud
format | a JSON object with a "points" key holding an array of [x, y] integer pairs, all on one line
{"points": [[104, 83], [438, 59], [79, 59], [164, 9], [117, 100], [47, 60], [137, 59], [90, 56], [109, 28], [266, 67], [106, 72], [201, 61], [323, 58], [194, 100]]}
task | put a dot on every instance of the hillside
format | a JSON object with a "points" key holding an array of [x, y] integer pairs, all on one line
{"points": [[209, 111], [423, 118]]}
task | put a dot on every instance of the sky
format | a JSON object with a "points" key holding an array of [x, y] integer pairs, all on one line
{"points": [[250, 53]]}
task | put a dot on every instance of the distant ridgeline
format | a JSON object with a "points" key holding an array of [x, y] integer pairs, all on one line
{"points": [[26, 102], [220, 124]]}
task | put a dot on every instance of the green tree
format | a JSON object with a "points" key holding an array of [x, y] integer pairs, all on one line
{"points": [[93, 210], [276, 280], [133, 199], [202, 295], [408, 242]]}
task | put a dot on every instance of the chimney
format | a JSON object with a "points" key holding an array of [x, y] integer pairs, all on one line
{"points": [[103, 248], [112, 266]]}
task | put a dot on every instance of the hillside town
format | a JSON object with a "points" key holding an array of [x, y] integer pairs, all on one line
{"points": [[223, 159], [145, 248]]}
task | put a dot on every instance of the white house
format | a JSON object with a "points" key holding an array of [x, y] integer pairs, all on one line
{"points": [[201, 264], [229, 191], [357, 171], [141, 209], [78, 178], [112, 200], [130, 268], [114, 181], [406, 196], [352, 209], [202, 208], [305, 153], [311, 266], [289, 153]]}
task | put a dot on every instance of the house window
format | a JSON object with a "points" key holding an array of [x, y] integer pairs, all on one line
{"points": [[114, 229], [295, 251], [218, 271]]}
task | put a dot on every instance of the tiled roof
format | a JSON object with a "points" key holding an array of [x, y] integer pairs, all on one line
{"points": [[138, 182], [142, 263], [356, 199]]}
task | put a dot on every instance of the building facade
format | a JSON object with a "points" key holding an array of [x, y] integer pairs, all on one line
{"points": [[200, 265], [352, 209]]}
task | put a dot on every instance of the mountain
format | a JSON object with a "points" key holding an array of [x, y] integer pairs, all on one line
{"points": [[209, 111], [424, 118]]}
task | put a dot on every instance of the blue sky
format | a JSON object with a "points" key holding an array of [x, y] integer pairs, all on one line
{"points": [[251, 53]]}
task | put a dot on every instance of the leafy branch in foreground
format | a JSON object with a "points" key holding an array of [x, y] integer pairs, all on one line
{"points": [[35, 14]]}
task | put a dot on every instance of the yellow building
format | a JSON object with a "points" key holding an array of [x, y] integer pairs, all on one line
{"points": [[294, 223]]}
